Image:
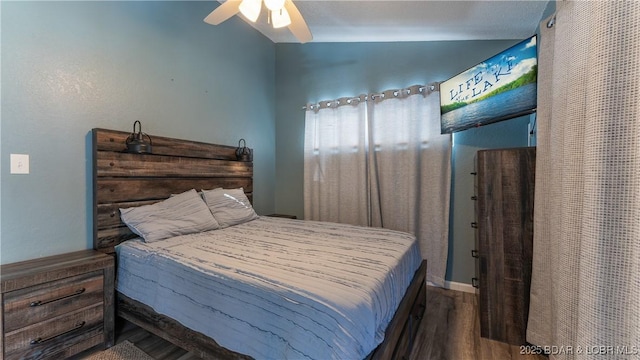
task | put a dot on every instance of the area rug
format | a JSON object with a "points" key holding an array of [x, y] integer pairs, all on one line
{"points": [[123, 351]]}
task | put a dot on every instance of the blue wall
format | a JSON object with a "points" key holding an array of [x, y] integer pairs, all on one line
{"points": [[68, 67], [461, 267], [314, 72]]}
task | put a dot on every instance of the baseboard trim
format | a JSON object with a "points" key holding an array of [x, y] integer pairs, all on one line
{"points": [[458, 286]]}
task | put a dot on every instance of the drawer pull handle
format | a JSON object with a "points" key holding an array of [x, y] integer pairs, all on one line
{"points": [[39, 340], [40, 303]]}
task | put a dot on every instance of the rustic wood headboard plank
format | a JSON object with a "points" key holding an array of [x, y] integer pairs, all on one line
{"points": [[123, 164], [109, 214], [112, 140], [123, 180], [109, 238], [110, 190]]}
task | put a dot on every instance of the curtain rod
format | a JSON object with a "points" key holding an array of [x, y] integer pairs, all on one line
{"points": [[387, 94]]}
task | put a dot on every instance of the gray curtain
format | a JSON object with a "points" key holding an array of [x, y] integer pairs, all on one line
{"points": [[383, 163], [585, 288], [410, 174], [335, 168]]}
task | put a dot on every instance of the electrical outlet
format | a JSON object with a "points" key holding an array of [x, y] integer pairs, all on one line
{"points": [[19, 164]]}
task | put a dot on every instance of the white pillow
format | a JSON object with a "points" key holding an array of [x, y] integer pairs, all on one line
{"points": [[180, 214], [229, 206]]}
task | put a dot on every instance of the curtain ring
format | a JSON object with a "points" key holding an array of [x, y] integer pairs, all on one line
{"points": [[551, 22]]}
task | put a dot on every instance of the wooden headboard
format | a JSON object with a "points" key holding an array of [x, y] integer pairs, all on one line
{"points": [[123, 180]]}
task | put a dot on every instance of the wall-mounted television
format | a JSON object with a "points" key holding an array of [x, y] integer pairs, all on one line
{"points": [[499, 88]]}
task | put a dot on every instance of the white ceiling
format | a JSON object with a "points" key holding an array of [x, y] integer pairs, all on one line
{"points": [[422, 20]]}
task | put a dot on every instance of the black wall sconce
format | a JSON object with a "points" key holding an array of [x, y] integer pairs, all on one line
{"points": [[136, 141], [243, 153]]}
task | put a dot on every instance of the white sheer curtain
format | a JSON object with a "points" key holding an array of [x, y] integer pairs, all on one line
{"points": [[383, 163], [335, 175], [585, 289], [410, 174]]}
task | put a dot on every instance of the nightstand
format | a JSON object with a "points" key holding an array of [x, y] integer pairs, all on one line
{"points": [[57, 306]]}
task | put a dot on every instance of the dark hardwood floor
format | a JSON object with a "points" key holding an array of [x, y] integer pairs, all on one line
{"points": [[450, 330]]}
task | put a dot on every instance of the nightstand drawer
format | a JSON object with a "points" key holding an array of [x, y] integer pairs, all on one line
{"points": [[47, 338], [41, 302], [56, 306]]}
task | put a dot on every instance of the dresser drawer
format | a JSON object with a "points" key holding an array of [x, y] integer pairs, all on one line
{"points": [[48, 338], [34, 304]]}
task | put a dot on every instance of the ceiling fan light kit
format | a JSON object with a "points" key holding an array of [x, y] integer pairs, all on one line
{"points": [[251, 9], [282, 13], [280, 18], [274, 5]]}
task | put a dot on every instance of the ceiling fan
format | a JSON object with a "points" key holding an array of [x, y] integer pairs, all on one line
{"points": [[281, 13]]}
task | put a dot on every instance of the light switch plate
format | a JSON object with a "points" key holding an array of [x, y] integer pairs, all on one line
{"points": [[19, 164]]}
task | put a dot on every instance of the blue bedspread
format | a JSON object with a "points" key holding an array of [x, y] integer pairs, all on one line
{"points": [[276, 288]]}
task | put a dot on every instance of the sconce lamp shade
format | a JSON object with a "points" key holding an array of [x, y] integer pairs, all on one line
{"points": [[136, 142], [243, 153]]}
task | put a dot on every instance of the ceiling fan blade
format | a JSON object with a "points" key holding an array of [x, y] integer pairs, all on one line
{"points": [[298, 26], [223, 12]]}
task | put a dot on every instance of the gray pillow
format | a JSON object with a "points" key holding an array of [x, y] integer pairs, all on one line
{"points": [[180, 214], [229, 206]]}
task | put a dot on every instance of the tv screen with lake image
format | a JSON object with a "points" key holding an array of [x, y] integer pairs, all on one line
{"points": [[500, 88]]}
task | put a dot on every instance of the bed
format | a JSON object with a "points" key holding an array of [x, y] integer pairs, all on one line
{"points": [[124, 180]]}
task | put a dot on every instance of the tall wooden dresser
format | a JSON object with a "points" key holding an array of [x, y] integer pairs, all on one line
{"points": [[505, 190], [57, 306]]}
